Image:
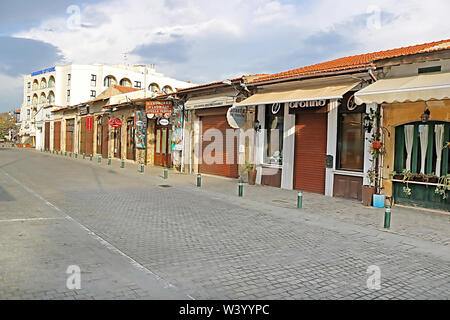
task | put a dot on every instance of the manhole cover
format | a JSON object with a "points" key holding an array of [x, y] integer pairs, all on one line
{"points": [[165, 186]]}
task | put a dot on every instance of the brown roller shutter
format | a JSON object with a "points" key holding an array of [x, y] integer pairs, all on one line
{"points": [[87, 138], [47, 136], [310, 151], [70, 125], [219, 122], [57, 136], [105, 136]]}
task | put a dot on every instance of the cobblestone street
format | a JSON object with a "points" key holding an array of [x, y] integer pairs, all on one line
{"points": [[138, 236]]}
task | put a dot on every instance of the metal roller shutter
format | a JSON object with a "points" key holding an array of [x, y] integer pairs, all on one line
{"points": [[310, 151], [57, 136], [225, 169]]}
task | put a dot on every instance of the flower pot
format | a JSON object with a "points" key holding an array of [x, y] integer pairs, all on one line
{"points": [[367, 195], [252, 177]]}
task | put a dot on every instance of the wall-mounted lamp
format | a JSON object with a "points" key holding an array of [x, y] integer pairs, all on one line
{"points": [[257, 126], [425, 117]]}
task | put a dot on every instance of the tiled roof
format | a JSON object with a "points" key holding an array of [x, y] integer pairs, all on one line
{"points": [[206, 85], [125, 89], [358, 61]]}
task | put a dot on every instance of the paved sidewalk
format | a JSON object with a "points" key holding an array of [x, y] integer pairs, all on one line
{"points": [[417, 223]]}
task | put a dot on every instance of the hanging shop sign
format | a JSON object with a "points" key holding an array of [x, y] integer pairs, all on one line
{"points": [[89, 123], [159, 108], [115, 123], [84, 110], [141, 130], [164, 122], [308, 104], [236, 117]]}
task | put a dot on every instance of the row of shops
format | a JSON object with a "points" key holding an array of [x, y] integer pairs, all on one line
{"points": [[375, 123]]}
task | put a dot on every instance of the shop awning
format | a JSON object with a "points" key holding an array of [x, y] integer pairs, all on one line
{"points": [[307, 93], [208, 102], [424, 87]]}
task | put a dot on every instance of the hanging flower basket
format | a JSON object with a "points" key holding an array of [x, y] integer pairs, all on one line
{"points": [[377, 145]]}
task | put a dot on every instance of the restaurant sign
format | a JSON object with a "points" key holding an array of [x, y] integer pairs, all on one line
{"points": [[308, 104], [159, 108], [115, 123]]}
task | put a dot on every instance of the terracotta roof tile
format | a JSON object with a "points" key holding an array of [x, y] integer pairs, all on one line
{"points": [[357, 61], [125, 89]]}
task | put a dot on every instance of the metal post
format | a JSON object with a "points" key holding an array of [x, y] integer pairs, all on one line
{"points": [[65, 153], [166, 173], [99, 159], [76, 155], [199, 180], [122, 164], [90, 157], [70, 154], [387, 218], [84, 155], [142, 168], [300, 200], [109, 161], [241, 189]]}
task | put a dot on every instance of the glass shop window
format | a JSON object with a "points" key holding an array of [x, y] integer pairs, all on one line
{"points": [[274, 125], [351, 135]]}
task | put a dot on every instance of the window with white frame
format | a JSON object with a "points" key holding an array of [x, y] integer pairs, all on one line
{"points": [[68, 95], [137, 84], [28, 100], [93, 93], [69, 78]]}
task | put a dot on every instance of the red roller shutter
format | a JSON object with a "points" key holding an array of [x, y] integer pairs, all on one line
{"points": [[310, 151], [225, 169]]}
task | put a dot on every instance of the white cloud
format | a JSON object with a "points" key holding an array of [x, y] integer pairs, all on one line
{"points": [[12, 89], [235, 35]]}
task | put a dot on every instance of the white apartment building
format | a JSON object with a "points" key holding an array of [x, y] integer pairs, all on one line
{"points": [[72, 84]]}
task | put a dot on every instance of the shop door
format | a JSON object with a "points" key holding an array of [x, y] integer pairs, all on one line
{"points": [[131, 145], [47, 136], [69, 134], [57, 136], [310, 151], [162, 146], [102, 136], [118, 143], [226, 165], [105, 137]]}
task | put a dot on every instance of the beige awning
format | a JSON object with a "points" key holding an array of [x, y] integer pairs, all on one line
{"points": [[219, 101], [424, 87], [306, 93]]}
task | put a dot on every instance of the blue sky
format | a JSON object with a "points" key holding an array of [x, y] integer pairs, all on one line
{"points": [[204, 40]]}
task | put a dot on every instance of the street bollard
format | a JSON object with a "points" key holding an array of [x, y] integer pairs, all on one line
{"points": [[65, 153], [241, 189], [84, 155], [122, 164], [99, 159], [70, 154], [109, 161], [199, 180], [142, 168], [166, 173], [300, 200], [387, 218], [90, 157], [76, 155], [57, 152]]}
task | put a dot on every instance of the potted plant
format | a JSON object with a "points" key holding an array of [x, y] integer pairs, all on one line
{"points": [[369, 191], [251, 171]]}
